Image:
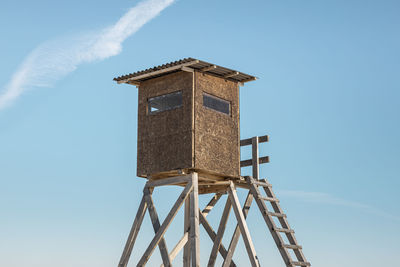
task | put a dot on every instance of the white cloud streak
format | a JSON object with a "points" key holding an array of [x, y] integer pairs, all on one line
{"points": [[324, 198], [54, 59]]}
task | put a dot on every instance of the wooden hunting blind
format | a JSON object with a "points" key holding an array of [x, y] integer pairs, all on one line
{"points": [[189, 136], [188, 118]]}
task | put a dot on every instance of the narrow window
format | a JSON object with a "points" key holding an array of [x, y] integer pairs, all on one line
{"points": [[164, 102], [216, 103]]}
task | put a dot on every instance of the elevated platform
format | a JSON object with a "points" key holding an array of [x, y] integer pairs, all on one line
{"points": [[208, 182]]}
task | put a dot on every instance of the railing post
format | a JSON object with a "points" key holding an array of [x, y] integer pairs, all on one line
{"points": [[254, 159]]}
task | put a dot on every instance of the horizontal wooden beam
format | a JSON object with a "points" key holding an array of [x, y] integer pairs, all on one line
{"points": [[234, 73], [250, 79], [169, 181], [249, 162], [261, 139], [208, 68], [134, 83], [187, 69]]}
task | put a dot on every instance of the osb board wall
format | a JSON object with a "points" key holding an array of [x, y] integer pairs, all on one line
{"points": [[165, 138], [216, 137]]}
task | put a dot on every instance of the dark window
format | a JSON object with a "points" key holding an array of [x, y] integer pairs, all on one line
{"points": [[164, 102], [216, 103]]}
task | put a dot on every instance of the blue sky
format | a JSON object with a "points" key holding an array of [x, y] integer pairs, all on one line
{"points": [[328, 96]]}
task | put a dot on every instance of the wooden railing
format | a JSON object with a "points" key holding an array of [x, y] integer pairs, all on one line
{"points": [[255, 160]]}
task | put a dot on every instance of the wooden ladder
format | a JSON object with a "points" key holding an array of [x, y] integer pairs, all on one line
{"points": [[283, 228]]}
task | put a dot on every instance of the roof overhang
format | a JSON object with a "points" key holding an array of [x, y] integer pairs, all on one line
{"points": [[189, 65]]}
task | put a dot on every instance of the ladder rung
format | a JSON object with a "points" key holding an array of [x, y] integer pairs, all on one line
{"points": [[291, 246], [263, 184], [270, 199], [280, 215], [300, 263], [283, 230]]}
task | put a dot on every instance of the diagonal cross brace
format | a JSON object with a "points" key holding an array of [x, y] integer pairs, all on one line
{"points": [[163, 228], [156, 226]]}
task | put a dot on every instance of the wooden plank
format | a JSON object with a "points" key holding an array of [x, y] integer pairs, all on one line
{"points": [[169, 181], [291, 246], [213, 183], [276, 214], [163, 228], [243, 226], [232, 74], [133, 234], [166, 174], [156, 226], [137, 84], [283, 230], [178, 247], [263, 139], [221, 189], [194, 222], [270, 199], [249, 162], [263, 184], [300, 263], [249, 79], [187, 69], [205, 69], [220, 233], [186, 226], [247, 142], [211, 204], [254, 159], [236, 233]]}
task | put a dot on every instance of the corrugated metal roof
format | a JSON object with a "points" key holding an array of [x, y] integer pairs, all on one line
{"points": [[186, 64]]}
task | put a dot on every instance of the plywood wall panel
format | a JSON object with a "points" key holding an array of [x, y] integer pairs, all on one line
{"points": [[216, 134], [165, 138]]}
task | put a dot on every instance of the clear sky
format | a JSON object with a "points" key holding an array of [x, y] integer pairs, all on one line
{"points": [[328, 95]]}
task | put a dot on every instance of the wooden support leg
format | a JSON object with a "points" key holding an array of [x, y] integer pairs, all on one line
{"points": [[163, 228], [156, 226], [220, 233], [133, 234], [194, 222], [236, 234], [186, 250], [243, 225]]}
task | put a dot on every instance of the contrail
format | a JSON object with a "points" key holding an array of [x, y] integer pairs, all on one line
{"points": [[53, 60], [324, 198]]}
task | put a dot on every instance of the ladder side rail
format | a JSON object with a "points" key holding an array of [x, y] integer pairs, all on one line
{"points": [[269, 221], [284, 223]]}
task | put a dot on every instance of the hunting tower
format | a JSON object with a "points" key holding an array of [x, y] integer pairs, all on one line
{"points": [[189, 136], [188, 118]]}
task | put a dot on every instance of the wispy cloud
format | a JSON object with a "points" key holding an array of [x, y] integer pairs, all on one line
{"points": [[54, 59], [324, 198]]}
